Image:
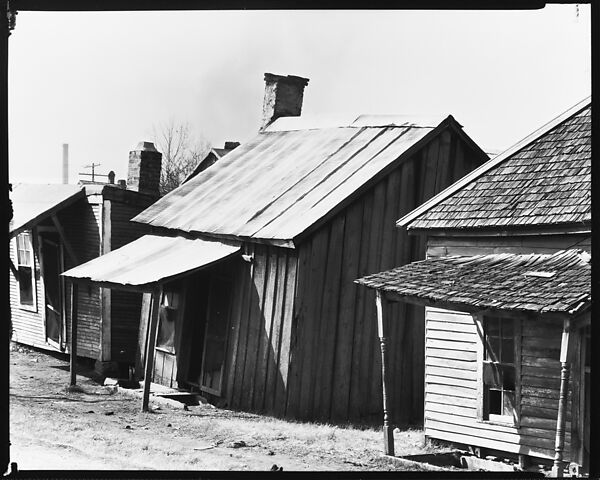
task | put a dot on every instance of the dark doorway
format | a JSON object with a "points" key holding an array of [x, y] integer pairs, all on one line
{"points": [[52, 266], [215, 335]]}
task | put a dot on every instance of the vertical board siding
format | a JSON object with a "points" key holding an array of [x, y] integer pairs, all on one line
{"points": [[336, 373], [260, 325], [451, 382]]}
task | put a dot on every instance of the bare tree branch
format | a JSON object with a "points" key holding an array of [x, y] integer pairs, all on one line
{"points": [[181, 153]]}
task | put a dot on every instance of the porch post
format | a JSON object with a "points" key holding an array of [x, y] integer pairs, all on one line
{"points": [[558, 468], [73, 339], [388, 431], [150, 345]]}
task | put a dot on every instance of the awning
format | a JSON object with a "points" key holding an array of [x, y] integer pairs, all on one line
{"points": [[540, 283], [150, 260], [33, 203]]}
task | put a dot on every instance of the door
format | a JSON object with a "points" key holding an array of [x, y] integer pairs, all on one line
{"points": [[215, 335], [52, 268]]}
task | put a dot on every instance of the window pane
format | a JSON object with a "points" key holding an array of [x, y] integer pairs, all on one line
{"points": [[507, 328], [493, 349], [508, 378], [166, 329], [492, 375], [508, 350], [508, 404], [495, 402], [492, 327], [25, 286]]}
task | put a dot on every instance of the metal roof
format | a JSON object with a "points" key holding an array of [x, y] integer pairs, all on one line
{"points": [[33, 203], [151, 259], [545, 179], [282, 182], [541, 283]]}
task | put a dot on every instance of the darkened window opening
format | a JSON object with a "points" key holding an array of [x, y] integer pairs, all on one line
{"points": [[499, 369], [26, 277]]}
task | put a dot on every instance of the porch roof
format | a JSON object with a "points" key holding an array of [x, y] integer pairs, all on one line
{"points": [[33, 203], [535, 283], [150, 260]]}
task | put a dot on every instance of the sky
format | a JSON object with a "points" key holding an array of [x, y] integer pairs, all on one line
{"points": [[104, 81]]}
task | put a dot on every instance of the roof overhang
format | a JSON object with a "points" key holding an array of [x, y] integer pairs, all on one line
{"points": [[556, 284], [33, 204], [151, 260]]}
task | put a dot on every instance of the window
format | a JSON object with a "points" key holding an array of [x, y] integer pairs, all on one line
{"points": [[499, 370], [25, 270], [165, 339]]}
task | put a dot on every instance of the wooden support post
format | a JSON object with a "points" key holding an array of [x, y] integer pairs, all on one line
{"points": [[388, 430], [150, 346], [559, 445], [73, 339]]}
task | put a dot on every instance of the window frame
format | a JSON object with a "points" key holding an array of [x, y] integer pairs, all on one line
{"points": [[482, 415], [30, 247], [171, 302]]}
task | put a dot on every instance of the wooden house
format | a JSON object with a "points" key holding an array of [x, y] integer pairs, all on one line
{"points": [[274, 322], [210, 158], [507, 289], [57, 227]]}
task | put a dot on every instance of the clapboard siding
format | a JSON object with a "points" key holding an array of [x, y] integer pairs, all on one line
{"points": [[336, 372], [27, 325], [451, 381], [258, 346], [444, 246], [82, 223], [125, 306]]}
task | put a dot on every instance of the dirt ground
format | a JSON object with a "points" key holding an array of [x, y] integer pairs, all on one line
{"points": [[102, 427]]}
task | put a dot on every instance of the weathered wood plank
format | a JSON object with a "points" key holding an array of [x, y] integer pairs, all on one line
{"points": [[450, 381], [512, 431], [328, 340], [255, 324], [265, 328], [465, 338], [342, 372], [456, 354], [445, 399], [448, 316], [273, 373], [554, 364], [433, 325], [541, 382], [451, 373], [311, 321], [459, 410], [470, 365], [365, 301], [297, 330], [450, 390]]}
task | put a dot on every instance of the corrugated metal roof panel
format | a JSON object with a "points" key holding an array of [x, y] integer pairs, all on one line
{"points": [[152, 259], [280, 183], [33, 203]]}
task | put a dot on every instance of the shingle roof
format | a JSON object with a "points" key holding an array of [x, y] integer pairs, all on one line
{"points": [[284, 180], [546, 182], [542, 283]]}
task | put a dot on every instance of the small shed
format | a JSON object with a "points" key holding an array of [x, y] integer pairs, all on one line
{"points": [[59, 226], [278, 325], [507, 289]]}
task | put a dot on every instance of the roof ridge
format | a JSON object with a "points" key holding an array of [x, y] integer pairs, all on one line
{"points": [[493, 162]]}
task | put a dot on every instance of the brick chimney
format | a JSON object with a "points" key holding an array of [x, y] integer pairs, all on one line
{"points": [[143, 174], [283, 97]]}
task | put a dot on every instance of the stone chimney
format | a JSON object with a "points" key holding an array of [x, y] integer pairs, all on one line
{"points": [[143, 174], [283, 97]]}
